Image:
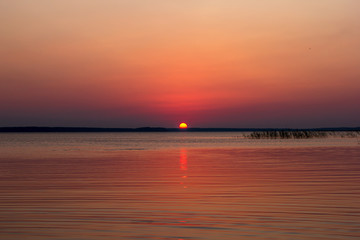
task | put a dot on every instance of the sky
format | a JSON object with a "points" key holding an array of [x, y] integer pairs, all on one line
{"points": [[209, 63]]}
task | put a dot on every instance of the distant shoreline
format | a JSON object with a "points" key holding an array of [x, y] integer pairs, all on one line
{"points": [[160, 129]]}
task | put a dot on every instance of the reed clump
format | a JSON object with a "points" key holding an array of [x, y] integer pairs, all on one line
{"points": [[353, 134], [288, 134]]}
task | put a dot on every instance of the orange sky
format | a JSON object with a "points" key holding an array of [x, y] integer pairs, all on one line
{"points": [[210, 63]]}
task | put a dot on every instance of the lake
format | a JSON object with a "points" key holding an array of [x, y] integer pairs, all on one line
{"points": [[180, 185]]}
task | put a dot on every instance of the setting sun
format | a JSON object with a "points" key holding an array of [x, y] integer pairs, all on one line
{"points": [[183, 125]]}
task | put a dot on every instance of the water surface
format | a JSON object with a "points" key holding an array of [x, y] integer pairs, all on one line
{"points": [[177, 186]]}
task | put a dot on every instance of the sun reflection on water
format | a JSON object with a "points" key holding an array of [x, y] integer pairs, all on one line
{"points": [[183, 166]]}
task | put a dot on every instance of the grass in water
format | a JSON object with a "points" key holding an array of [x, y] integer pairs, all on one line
{"points": [[288, 134]]}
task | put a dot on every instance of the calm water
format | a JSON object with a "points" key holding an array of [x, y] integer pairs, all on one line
{"points": [[177, 186]]}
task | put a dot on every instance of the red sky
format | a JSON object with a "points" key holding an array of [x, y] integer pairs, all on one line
{"points": [[210, 63]]}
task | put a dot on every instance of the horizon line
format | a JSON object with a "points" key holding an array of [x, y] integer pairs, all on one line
{"points": [[164, 129]]}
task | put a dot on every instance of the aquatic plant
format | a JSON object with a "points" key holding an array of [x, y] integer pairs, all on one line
{"points": [[288, 134]]}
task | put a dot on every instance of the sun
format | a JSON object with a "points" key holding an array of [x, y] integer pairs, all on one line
{"points": [[183, 125]]}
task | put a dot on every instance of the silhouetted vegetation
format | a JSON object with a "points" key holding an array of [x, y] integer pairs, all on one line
{"points": [[288, 134], [301, 134], [353, 134]]}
